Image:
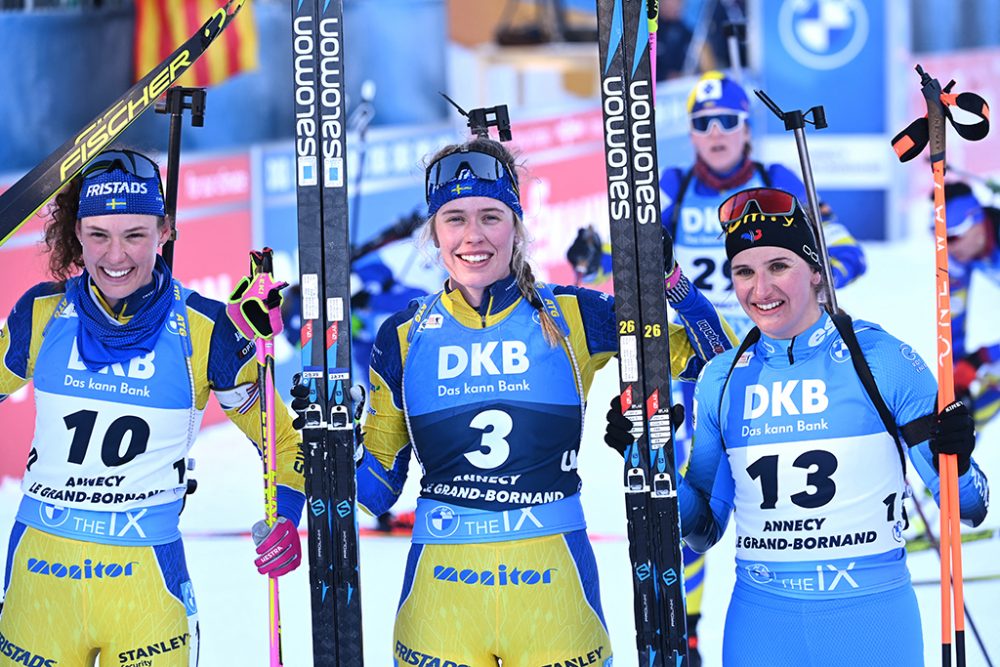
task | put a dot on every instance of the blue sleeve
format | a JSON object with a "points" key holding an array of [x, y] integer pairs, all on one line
{"points": [[290, 503], [18, 329], [378, 488], [847, 259], [705, 329], [707, 490], [383, 468], [910, 391], [597, 311]]}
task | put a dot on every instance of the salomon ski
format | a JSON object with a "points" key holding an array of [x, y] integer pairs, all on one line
{"points": [[35, 188], [324, 267], [641, 313]]}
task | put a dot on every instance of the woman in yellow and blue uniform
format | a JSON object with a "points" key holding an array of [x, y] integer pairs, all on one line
{"points": [[486, 383], [123, 359]]}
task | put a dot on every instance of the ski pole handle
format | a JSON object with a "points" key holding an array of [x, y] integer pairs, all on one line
{"points": [[795, 121]]}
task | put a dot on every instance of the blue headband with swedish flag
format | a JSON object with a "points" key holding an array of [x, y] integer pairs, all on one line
{"points": [[470, 174], [121, 182]]}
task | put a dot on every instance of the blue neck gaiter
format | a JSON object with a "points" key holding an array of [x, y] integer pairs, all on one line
{"points": [[100, 340]]}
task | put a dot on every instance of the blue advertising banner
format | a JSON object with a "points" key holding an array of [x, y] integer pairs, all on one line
{"points": [[837, 54]]}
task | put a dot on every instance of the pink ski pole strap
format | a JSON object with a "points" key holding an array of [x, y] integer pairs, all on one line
{"points": [[254, 307]]}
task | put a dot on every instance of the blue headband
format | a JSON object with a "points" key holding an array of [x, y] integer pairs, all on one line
{"points": [[963, 212], [118, 192], [468, 185]]}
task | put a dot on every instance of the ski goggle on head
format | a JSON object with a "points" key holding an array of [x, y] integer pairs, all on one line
{"points": [[470, 164], [121, 182], [726, 122], [470, 174], [768, 201], [128, 161]]}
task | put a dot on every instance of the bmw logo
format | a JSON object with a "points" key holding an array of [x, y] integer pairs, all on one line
{"points": [[839, 351], [442, 521], [760, 573], [53, 516], [823, 34]]}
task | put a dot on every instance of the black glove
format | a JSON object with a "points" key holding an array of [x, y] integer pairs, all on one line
{"points": [[618, 432], [300, 404], [668, 253], [586, 251], [954, 432], [300, 401]]}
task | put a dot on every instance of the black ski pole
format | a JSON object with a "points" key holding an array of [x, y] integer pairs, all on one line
{"points": [[736, 34], [177, 100], [795, 120]]}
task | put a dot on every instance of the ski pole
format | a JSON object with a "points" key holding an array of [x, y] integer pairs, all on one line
{"points": [[177, 100], [932, 540], [255, 309], [908, 144], [795, 120], [359, 121], [736, 33]]}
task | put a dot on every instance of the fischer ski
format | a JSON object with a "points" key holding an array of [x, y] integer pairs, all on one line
{"points": [[641, 314], [324, 267], [36, 188]]}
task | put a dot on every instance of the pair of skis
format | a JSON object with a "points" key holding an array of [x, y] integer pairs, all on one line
{"points": [[324, 268], [627, 87]]}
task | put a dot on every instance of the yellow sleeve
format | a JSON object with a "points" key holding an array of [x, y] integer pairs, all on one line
{"points": [[21, 335], [385, 431], [225, 366]]}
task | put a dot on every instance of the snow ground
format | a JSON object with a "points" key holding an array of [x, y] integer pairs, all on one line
{"points": [[232, 597]]}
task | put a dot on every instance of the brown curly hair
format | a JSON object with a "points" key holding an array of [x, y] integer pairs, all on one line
{"points": [[65, 251], [61, 242]]}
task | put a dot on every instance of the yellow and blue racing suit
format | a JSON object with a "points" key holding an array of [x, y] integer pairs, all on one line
{"points": [[494, 414], [96, 564]]}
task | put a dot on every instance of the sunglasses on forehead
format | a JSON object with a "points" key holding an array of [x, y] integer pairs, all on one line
{"points": [[128, 161], [727, 122], [464, 165], [769, 201]]}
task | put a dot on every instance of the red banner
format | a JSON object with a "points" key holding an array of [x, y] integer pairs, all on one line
{"points": [[565, 187]]}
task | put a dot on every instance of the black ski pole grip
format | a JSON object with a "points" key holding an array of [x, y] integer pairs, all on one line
{"points": [[819, 117]]}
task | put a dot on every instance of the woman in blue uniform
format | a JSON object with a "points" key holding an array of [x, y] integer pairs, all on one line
{"points": [[123, 359], [789, 438], [485, 382]]}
